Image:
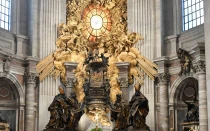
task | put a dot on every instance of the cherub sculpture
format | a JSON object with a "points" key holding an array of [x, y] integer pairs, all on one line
{"points": [[185, 61]]}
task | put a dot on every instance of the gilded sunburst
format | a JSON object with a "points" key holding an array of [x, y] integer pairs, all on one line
{"points": [[97, 21]]}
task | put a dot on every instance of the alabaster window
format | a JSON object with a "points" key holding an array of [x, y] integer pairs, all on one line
{"points": [[193, 13], [97, 21], [5, 14]]}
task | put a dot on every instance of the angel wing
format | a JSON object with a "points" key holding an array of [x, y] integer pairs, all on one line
{"points": [[138, 64], [45, 66], [70, 49]]}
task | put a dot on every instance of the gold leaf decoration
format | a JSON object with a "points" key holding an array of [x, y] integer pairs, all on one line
{"points": [[75, 41]]}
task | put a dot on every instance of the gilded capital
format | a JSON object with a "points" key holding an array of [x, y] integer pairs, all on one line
{"points": [[199, 67], [163, 77], [30, 77]]}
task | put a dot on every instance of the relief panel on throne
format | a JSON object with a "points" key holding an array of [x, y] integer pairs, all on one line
{"points": [[96, 78]]}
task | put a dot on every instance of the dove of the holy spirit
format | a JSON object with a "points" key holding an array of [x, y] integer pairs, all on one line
{"points": [[96, 22]]}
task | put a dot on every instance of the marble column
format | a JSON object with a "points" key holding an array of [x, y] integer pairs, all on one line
{"points": [[164, 109], [30, 101], [203, 115], [51, 14]]}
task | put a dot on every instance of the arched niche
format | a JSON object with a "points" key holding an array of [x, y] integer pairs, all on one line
{"points": [[11, 101], [183, 88]]}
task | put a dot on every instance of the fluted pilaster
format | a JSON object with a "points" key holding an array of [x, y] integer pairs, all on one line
{"points": [[141, 20], [144, 16], [30, 101], [164, 112], [200, 69], [207, 52], [51, 14]]}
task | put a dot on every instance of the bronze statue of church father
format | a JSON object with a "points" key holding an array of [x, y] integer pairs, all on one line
{"points": [[66, 111]]}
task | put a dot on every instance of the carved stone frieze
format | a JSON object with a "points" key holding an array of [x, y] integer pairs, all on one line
{"points": [[70, 82], [199, 67], [123, 73], [70, 78], [163, 77], [30, 77], [123, 81]]}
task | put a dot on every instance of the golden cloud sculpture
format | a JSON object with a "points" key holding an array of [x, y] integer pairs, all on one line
{"points": [[96, 25]]}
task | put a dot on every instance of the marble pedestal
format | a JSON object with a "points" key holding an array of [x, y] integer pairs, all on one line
{"points": [[132, 129], [186, 126], [52, 130]]}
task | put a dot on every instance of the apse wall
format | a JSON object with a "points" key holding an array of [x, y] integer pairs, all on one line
{"points": [[141, 19], [52, 13]]}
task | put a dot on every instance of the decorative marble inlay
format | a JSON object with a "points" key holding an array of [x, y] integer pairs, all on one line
{"points": [[4, 92], [189, 91], [21, 120]]}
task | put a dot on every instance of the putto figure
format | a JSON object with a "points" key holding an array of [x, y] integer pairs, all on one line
{"points": [[185, 61], [139, 109]]}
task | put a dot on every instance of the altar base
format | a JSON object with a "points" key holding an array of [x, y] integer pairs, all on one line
{"points": [[133, 129], [188, 126], [52, 130]]}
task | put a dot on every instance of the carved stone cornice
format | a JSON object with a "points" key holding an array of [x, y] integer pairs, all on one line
{"points": [[30, 77], [199, 67], [163, 77]]}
